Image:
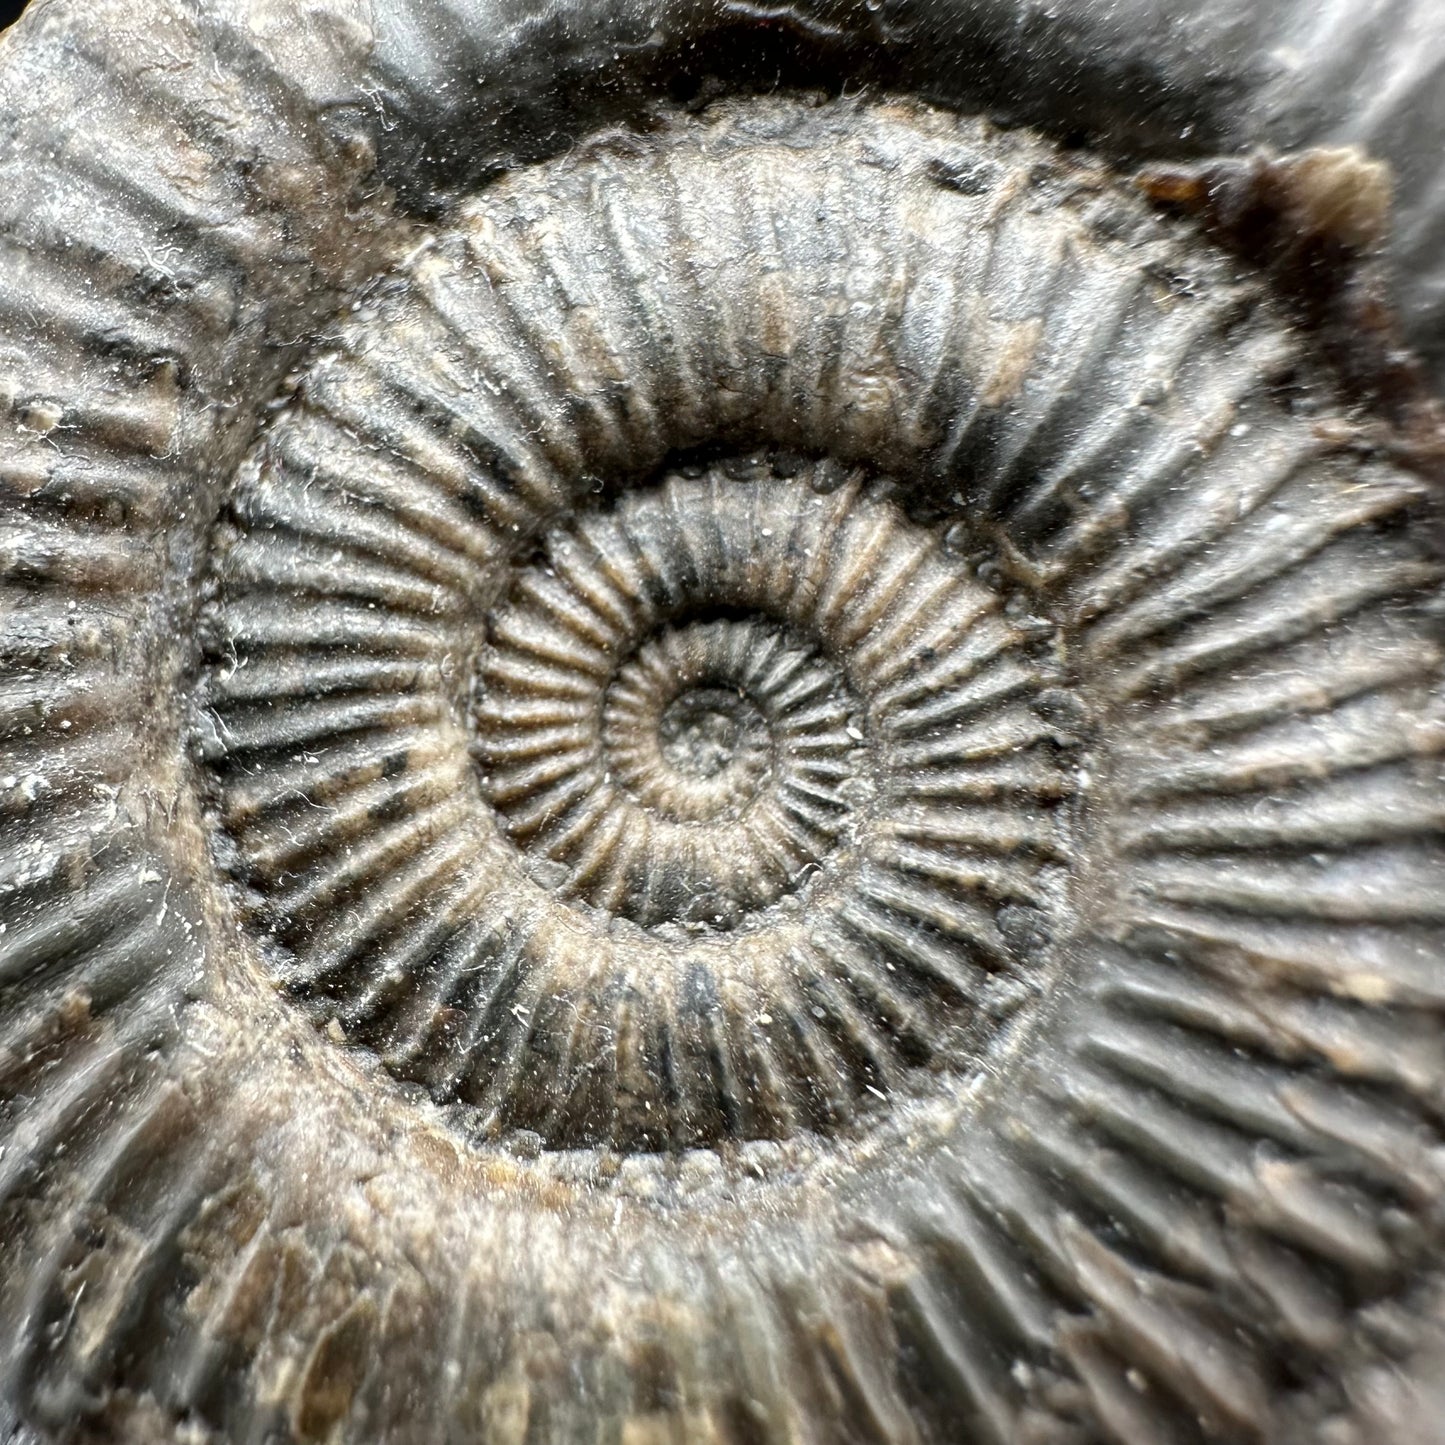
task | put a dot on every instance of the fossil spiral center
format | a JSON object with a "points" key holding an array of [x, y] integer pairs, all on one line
{"points": [[686, 728], [667, 770], [702, 731]]}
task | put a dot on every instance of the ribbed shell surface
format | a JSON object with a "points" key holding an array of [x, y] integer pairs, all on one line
{"points": [[694, 767]]}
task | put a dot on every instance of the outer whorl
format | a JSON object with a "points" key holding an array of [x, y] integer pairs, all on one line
{"points": [[683, 767]]}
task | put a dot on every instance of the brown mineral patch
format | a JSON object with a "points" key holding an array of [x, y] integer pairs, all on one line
{"points": [[1280, 203], [1317, 221], [336, 1369]]}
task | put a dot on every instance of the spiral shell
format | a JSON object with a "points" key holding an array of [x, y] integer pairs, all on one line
{"points": [[770, 776]]}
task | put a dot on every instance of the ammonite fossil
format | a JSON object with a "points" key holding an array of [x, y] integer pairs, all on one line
{"points": [[722, 724]]}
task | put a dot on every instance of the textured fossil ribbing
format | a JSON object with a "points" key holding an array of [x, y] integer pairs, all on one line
{"points": [[1098, 977], [1119, 679], [767, 720]]}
